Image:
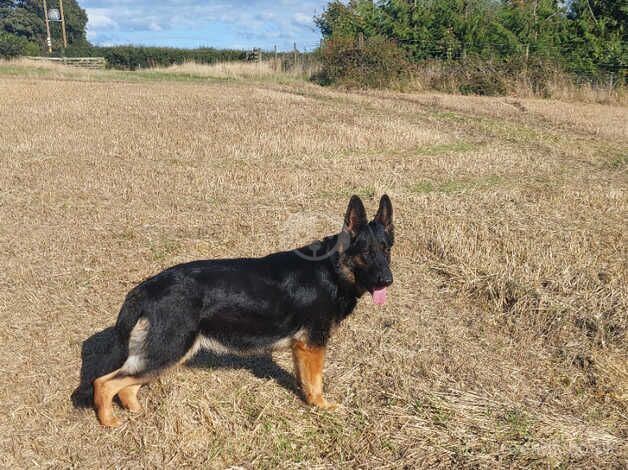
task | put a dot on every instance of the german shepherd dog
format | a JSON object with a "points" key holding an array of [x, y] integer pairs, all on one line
{"points": [[291, 299]]}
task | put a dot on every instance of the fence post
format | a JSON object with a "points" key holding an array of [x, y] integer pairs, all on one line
{"points": [[275, 64]]}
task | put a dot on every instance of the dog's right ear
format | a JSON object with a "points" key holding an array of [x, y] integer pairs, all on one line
{"points": [[385, 215], [355, 217]]}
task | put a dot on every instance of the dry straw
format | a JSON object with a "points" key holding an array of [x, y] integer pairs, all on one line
{"points": [[503, 342]]}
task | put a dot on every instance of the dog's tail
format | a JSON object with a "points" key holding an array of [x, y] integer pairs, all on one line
{"points": [[103, 353]]}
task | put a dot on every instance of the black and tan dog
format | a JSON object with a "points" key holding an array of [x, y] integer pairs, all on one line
{"points": [[291, 299]]}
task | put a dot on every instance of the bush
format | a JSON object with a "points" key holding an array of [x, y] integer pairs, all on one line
{"points": [[14, 46], [492, 77], [364, 63]]}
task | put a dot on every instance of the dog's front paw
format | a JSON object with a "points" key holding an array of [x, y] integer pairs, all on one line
{"points": [[329, 405], [112, 422], [323, 404]]}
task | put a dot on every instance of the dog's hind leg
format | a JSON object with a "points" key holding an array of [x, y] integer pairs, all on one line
{"points": [[128, 398], [105, 388], [154, 345], [103, 401], [308, 366]]}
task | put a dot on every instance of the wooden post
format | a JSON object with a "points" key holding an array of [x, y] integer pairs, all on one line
{"points": [[295, 53], [65, 36], [48, 39], [275, 63]]}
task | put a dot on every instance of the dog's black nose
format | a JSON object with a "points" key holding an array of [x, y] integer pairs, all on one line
{"points": [[385, 280]]}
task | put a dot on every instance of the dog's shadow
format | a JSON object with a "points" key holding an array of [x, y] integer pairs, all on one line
{"points": [[261, 366], [91, 364]]}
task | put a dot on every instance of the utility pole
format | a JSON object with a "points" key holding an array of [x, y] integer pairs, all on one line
{"points": [[65, 36], [48, 40]]}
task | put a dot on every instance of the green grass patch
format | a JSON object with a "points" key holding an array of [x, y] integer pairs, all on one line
{"points": [[619, 161], [448, 116], [457, 185], [431, 409], [103, 75], [158, 76], [21, 71], [165, 249], [442, 149], [517, 425]]}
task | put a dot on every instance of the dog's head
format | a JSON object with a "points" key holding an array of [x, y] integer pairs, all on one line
{"points": [[366, 256]]}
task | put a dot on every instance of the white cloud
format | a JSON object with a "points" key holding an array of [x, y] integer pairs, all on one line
{"points": [[303, 19], [161, 21], [100, 18], [154, 26]]}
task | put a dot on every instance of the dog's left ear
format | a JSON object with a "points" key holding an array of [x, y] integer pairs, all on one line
{"points": [[385, 214]]}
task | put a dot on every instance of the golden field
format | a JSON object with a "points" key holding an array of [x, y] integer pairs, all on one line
{"points": [[503, 343]]}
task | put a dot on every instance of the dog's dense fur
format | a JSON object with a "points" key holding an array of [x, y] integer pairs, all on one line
{"points": [[287, 299]]}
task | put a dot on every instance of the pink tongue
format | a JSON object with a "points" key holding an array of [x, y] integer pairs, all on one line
{"points": [[379, 296]]}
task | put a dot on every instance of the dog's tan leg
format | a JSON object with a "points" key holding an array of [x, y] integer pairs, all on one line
{"points": [[103, 401], [308, 366], [105, 388], [128, 398]]}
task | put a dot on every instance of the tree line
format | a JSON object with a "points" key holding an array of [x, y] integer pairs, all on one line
{"points": [[469, 46], [587, 37]]}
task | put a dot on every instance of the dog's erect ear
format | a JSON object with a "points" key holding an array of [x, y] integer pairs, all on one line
{"points": [[385, 214], [355, 216]]}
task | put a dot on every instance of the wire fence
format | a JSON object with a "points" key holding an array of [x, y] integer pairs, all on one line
{"points": [[422, 53]]}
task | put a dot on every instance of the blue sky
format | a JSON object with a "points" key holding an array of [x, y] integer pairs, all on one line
{"points": [[241, 24]]}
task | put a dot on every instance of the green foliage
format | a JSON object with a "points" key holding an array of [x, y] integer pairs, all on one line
{"points": [[21, 22], [587, 37], [14, 46], [375, 63], [134, 57], [339, 20], [25, 19], [598, 29]]}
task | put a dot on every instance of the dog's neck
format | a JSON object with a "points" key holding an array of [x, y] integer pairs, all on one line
{"points": [[334, 246], [346, 277]]}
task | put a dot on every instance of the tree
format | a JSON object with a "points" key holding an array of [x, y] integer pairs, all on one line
{"points": [[21, 22], [598, 35], [583, 36], [25, 19], [339, 20], [14, 46]]}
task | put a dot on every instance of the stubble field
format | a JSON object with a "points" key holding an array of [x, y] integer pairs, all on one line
{"points": [[502, 343]]}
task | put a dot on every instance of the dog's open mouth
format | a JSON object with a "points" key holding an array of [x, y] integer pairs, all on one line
{"points": [[379, 295]]}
